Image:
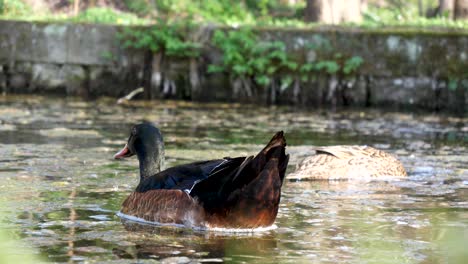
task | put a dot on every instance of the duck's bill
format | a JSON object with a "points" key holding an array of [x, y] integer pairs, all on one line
{"points": [[123, 153]]}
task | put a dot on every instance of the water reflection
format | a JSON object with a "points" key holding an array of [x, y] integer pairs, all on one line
{"points": [[61, 188], [162, 242]]}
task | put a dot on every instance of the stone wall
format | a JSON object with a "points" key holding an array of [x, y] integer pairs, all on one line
{"points": [[401, 68]]}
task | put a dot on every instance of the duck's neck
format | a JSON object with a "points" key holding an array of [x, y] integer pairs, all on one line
{"points": [[151, 163]]}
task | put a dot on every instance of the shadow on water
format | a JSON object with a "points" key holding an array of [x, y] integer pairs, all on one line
{"points": [[61, 189]]}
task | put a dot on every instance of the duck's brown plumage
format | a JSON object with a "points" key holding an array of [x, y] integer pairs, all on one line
{"points": [[348, 162], [239, 192], [163, 206]]}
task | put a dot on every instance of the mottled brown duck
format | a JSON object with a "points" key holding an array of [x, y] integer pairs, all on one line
{"points": [[348, 163], [242, 192]]}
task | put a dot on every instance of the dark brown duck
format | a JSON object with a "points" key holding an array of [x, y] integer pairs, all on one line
{"points": [[242, 192]]}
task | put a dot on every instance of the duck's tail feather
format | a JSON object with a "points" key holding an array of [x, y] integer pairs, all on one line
{"points": [[275, 149], [250, 193], [208, 190]]}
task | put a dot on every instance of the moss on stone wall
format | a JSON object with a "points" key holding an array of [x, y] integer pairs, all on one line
{"points": [[394, 59]]}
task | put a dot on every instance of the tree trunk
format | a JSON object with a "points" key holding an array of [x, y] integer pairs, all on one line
{"points": [[76, 7], [334, 11], [420, 8], [461, 9], [194, 77], [156, 75], [147, 74], [445, 7], [313, 10]]}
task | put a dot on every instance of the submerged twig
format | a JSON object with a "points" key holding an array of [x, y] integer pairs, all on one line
{"points": [[129, 96]]}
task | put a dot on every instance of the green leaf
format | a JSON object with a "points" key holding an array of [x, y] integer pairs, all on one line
{"points": [[212, 68], [352, 64], [291, 65], [328, 66], [240, 69], [271, 69], [162, 37], [453, 84], [308, 67], [262, 80]]}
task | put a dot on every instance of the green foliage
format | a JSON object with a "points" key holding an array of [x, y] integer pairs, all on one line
{"points": [[319, 43], [13, 8], [453, 84], [352, 64], [138, 6], [340, 65], [307, 67], [405, 13], [101, 15], [168, 38], [107, 55], [233, 13], [328, 61], [263, 6], [212, 68], [246, 57], [221, 11], [19, 10], [237, 47], [328, 66], [278, 13]]}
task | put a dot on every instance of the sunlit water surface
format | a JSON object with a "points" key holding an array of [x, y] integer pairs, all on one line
{"points": [[61, 189]]}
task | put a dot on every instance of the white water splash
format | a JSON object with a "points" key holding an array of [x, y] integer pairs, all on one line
{"points": [[198, 228]]}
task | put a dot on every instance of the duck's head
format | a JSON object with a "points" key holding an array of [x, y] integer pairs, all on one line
{"points": [[147, 143]]}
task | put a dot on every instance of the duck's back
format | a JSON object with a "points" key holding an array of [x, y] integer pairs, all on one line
{"points": [[184, 176], [348, 162]]}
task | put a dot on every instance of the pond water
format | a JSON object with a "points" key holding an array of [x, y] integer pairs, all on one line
{"points": [[61, 188]]}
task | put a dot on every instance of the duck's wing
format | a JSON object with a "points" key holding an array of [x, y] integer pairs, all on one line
{"points": [[364, 157], [223, 181], [331, 162], [246, 195], [347, 152], [210, 191], [182, 176]]}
